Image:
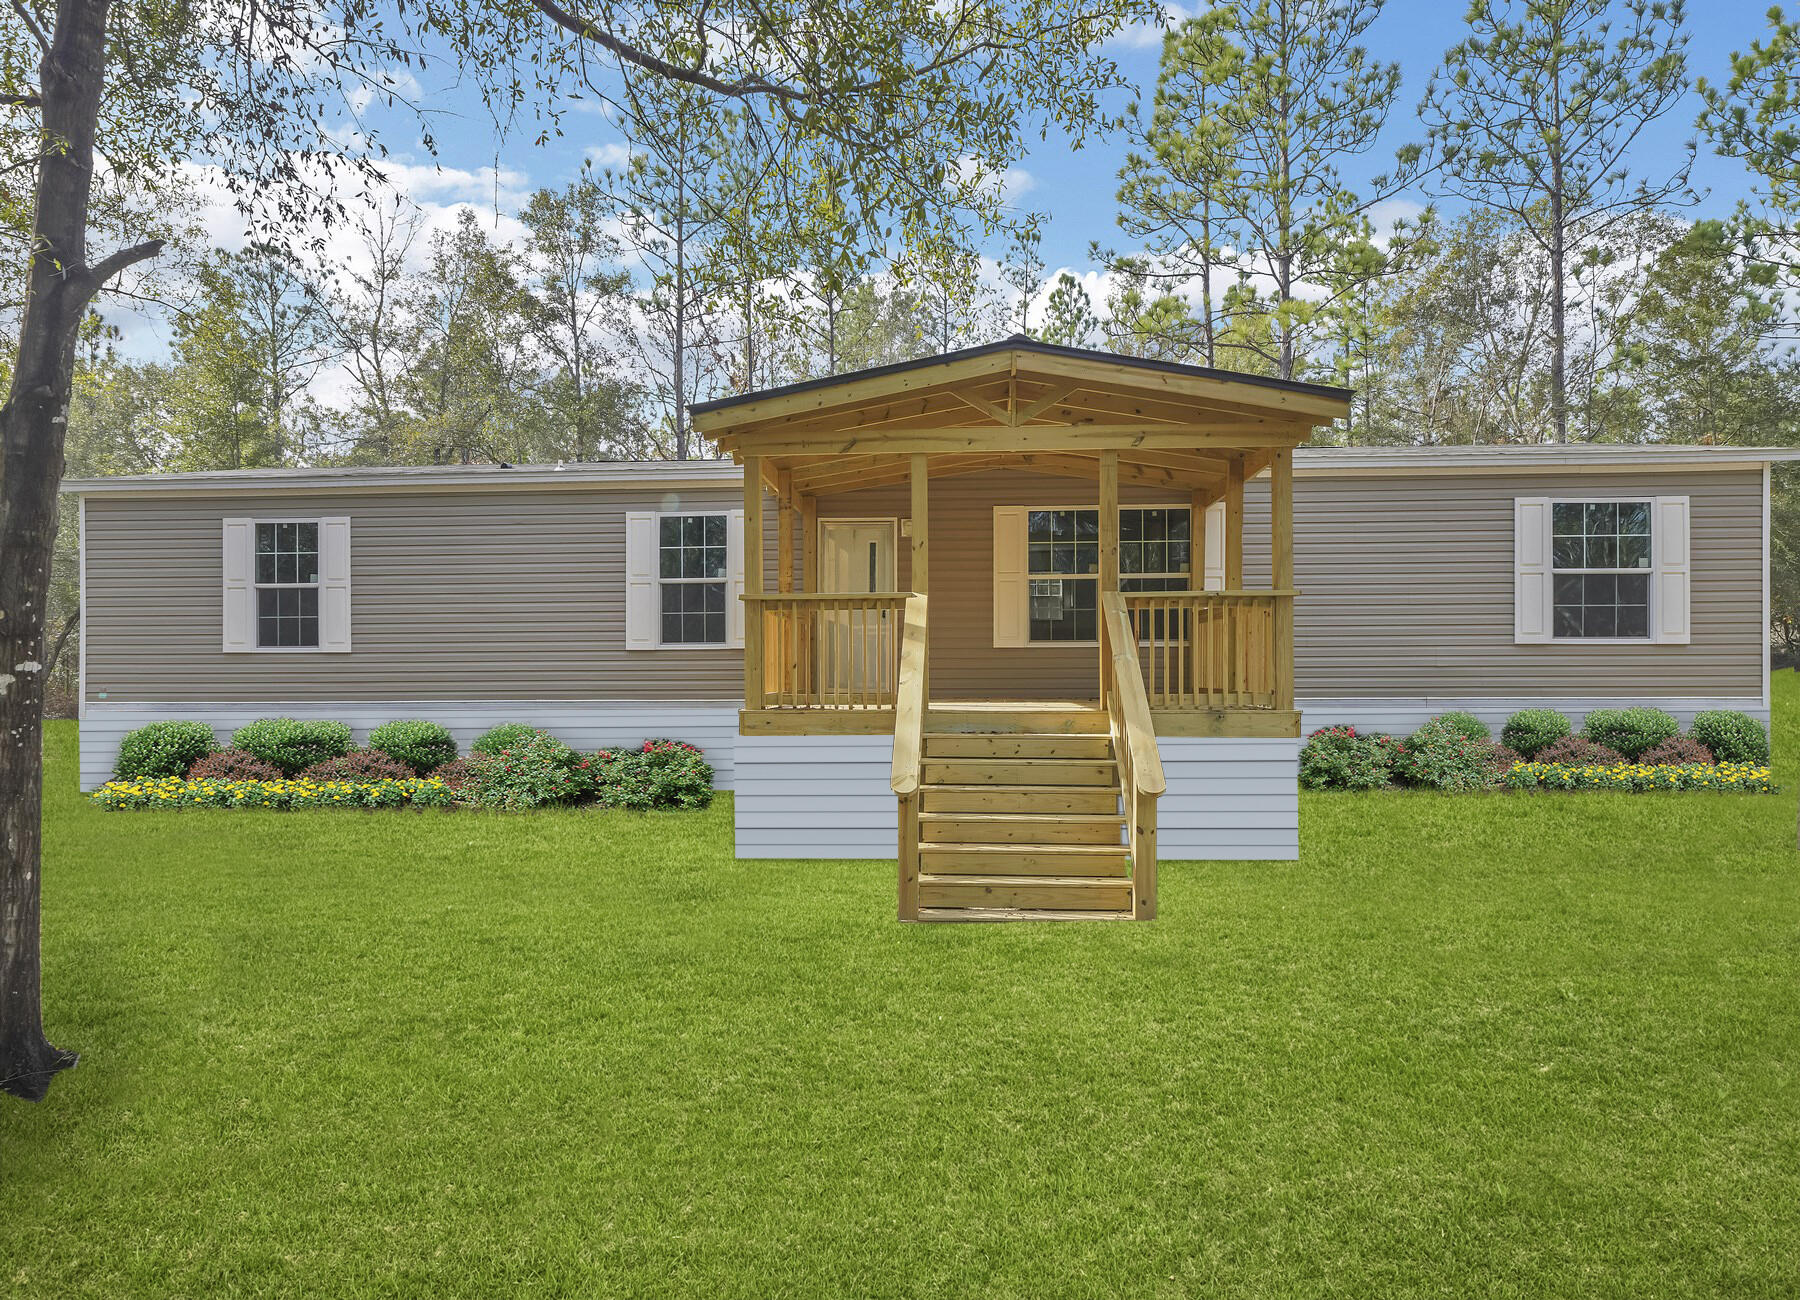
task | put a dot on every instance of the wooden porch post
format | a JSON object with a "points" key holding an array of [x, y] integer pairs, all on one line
{"points": [[1234, 522], [753, 582], [1109, 555], [784, 535], [1281, 570], [921, 545], [1196, 582]]}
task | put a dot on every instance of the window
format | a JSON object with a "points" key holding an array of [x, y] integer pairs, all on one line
{"points": [[1063, 564], [1601, 572], [1601, 559], [692, 565], [287, 585]]}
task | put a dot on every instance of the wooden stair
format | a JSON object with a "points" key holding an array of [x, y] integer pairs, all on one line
{"points": [[1019, 817]]}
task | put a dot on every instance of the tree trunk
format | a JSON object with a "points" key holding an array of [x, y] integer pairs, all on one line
{"points": [[1559, 397], [31, 462]]}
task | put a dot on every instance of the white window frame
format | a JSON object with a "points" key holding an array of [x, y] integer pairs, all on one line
{"points": [[1023, 616], [652, 638], [243, 626], [1534, 570]]}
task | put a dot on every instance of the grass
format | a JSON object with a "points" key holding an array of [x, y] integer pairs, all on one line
{"points": [[1479, 1046]]}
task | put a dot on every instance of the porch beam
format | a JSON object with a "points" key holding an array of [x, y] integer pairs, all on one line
{"points": [[966, 439]]}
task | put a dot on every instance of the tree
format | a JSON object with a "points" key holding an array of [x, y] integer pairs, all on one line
{"points": [[1069, 318], [368, 314], [1536, 115], [582, 310], [1023, 270], [471, 375], [1295, 98], [1755, 117], [1181, 163], [671, 204]]}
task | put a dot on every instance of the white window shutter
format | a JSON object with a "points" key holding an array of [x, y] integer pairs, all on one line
{"points": [[734, 588], [642, 616], [1531, 570], [1670, 607], [1011, 589], [1212, 574], [239, 556], [334, 585]]}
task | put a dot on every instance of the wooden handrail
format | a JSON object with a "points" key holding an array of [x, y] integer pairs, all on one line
{"points": [[895, 598], [1126, 695], [1202, 650], [909, 701]]}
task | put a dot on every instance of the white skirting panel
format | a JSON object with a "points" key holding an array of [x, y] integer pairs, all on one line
{"points": [[816, 797], [1402, 716], [586, 725], [1229, 799]]}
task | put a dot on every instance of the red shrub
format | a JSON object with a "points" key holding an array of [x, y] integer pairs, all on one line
{"points": [[453, 773], [1501, 759], [359, 765], [1677, 751], [1578, 752], [233, 765]]}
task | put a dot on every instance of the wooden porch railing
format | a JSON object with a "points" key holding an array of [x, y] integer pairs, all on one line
{"points": [[826, 651], [911, 701], [1215, 649], [1134, 746]]}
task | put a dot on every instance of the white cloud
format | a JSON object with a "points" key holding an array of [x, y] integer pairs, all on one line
{"points": [[1010, 184], [1149, 36], [611, 154]]}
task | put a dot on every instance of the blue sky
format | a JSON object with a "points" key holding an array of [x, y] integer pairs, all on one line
{"points": [[1075, 188]]}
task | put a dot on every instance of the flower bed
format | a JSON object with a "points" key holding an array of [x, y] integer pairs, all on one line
{"points": [[1638, 778], [299, 792]]}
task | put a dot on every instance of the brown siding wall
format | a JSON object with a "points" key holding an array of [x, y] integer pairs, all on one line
{"points": [[464, 595]]}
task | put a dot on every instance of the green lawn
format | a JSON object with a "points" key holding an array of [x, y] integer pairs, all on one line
{"points": [[1477, 1046]]}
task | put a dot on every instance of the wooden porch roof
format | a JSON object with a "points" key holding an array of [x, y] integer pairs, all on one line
{"points": [[1020, 403]]}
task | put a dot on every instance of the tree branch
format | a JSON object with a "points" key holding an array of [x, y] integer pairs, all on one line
{"points": [[31, 23], [22, 101], [91, 280]]}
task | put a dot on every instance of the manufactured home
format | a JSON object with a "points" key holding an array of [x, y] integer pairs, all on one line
{"points": [[1024, 618]]}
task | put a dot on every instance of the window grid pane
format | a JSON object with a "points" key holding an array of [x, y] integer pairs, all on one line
{"points": [[691, 547], [287, 576], [1601, 558], [1063, 548], [693, 613]]}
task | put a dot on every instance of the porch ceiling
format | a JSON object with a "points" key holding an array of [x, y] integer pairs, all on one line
{"points": [[1020, 402]]}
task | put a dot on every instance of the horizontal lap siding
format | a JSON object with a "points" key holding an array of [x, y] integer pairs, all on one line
{"points": [[964, 662], [1407, 590], [1229, 800], [454, 596], [816, 797]]}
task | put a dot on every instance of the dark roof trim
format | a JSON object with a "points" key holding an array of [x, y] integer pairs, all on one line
{"points": [[1022, 343]]}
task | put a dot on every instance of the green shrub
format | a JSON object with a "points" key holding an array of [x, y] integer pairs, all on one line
{"points": [[1529, 730], [1467, 723], [657, 774], [1438, 756], [529, 773], [498, 738], [1732, 737], [1630, 731], [420, 745], [163, 749], [292, 745], [233, 765], [359, 765], [1338, 758]]}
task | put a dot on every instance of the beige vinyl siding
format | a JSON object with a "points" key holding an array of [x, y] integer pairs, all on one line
{"points": [[459, 595], [1406, 585], [518, 594], [1407, 588]]}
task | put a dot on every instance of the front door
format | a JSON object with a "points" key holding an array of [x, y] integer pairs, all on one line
{"points": [[855, 556]]}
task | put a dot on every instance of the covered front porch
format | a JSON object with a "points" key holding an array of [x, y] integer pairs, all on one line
{"points": [[1019, 528]]}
